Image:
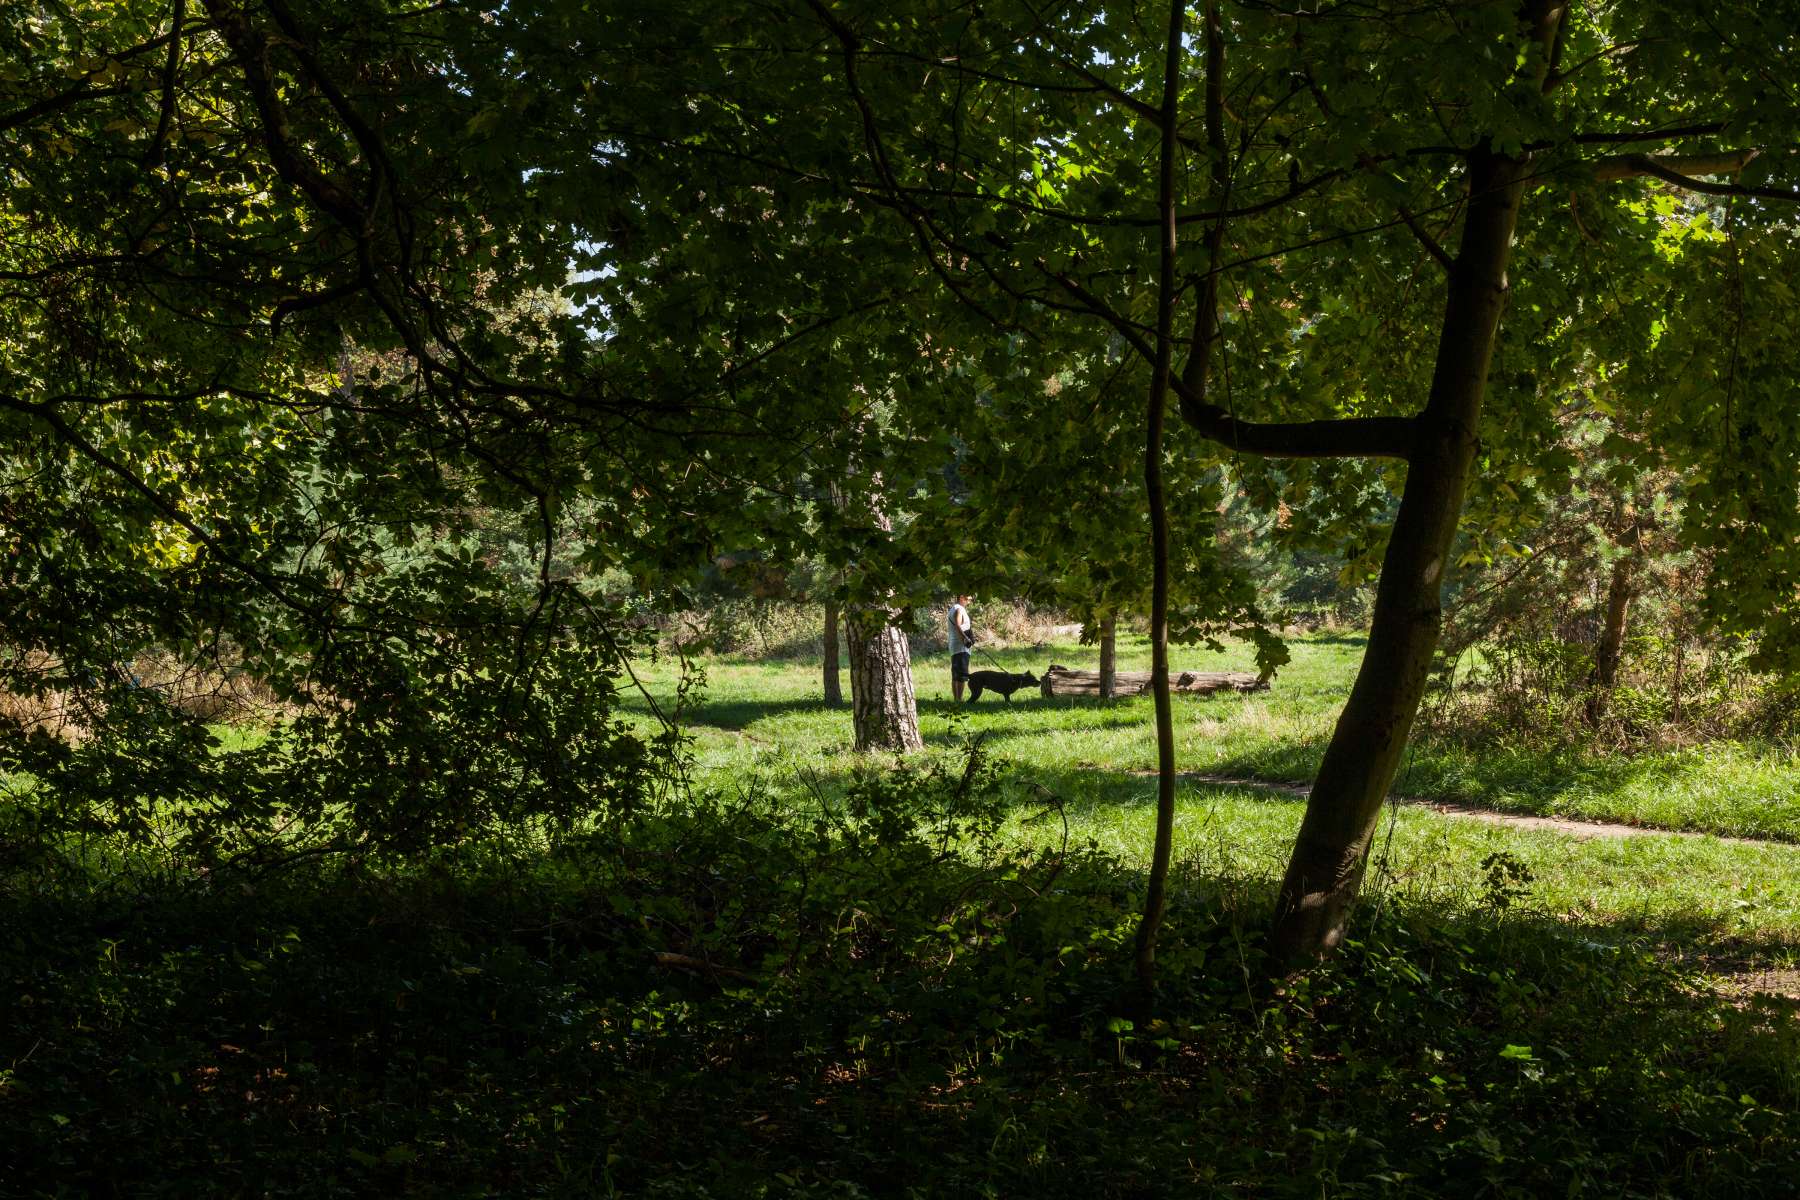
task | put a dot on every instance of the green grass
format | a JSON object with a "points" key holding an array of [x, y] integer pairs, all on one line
{"points": [[922, 996], [764, 719], [1730, 789]]}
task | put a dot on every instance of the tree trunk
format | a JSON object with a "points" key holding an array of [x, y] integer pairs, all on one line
{"points": [[1156, 882], [1109, 658], [1331, 851], [834, 691], [1612, 637], [1679, 628], [884, 710]]}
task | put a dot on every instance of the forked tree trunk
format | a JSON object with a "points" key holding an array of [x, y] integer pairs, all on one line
{"points": [[834, 691], [884, 710], [1109, 658], [1331, 851], [1612, 636]]}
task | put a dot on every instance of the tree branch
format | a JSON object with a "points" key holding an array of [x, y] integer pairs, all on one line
{"points": [[1672, 167], [81, 91], [1425, 239], [1557, 78], [1671, 133], [1157, 877], [1196, 374], [850, 45], [166, 110], [1678, 170], [72, 438], [1342, 437]]}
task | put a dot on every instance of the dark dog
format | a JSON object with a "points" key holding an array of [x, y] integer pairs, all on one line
{"points": [[1003, 682]]}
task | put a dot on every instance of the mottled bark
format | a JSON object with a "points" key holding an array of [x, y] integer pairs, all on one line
{"points": [[884, 709]]}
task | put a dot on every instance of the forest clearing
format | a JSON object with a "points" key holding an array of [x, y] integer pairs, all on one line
{"points": [[899, 598], [751, 1002]]}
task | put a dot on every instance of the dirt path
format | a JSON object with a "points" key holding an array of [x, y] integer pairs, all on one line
{"points": [[1741, 983], [1457, 808]]}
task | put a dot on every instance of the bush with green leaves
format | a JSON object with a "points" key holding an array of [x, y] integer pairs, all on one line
{"points": [[865, 996]]}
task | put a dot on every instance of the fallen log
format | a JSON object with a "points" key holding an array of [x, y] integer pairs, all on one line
{"points": [[1061, 681]]}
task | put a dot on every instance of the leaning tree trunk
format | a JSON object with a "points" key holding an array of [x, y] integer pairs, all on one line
{"points": [[1331, 851], [1109, 657], [834, 690], [884, 711]]}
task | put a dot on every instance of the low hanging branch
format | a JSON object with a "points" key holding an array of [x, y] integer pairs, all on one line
{"points": [[1347, 437], [1339, 437]]}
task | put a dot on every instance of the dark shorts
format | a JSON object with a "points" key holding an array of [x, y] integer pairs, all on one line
{"points": [[959, 668]]}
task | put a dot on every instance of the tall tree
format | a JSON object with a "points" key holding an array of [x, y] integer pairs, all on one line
{"points": [[1327, 206], [834, 207]]}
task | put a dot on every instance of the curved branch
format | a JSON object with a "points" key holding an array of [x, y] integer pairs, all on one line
{"points": [[1431, 244], [1672, 168], [1342, 437], [1678, 170]]}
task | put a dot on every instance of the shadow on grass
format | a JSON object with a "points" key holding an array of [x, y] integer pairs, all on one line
{"points": [[737, 714], [508, 1027], [741, 714], [1333, 639], [995, 707], [1551, 781], [1537, 782]]}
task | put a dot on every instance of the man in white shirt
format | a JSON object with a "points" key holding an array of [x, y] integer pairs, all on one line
{"points": [[961, 637]]}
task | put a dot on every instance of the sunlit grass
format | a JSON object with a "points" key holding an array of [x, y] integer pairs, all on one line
{"points": [[1732, 789], [764, 720]]}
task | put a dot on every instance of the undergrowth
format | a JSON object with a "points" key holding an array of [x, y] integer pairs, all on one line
{"points": [[873, 995]]}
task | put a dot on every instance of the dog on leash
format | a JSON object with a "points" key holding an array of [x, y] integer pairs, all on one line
{"points": [[1004, 682]]}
